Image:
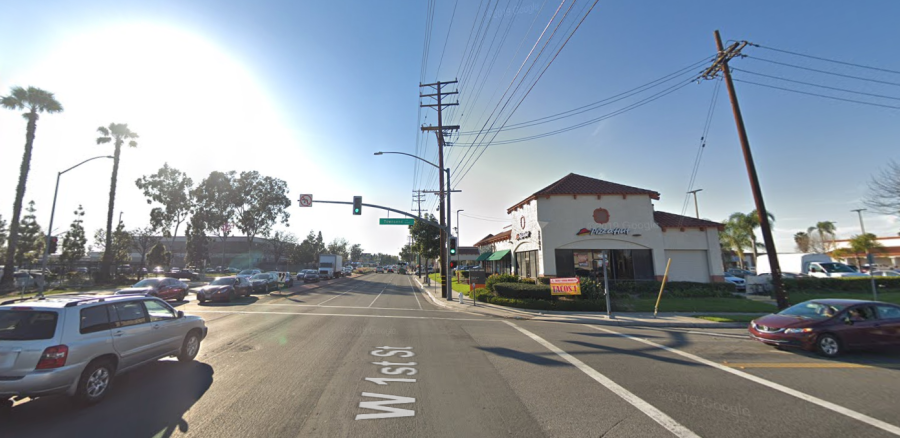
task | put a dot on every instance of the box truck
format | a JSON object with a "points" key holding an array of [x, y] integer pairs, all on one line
{"points": [[330, 265], [811, 264]]}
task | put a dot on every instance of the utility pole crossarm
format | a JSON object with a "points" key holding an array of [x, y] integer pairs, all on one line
{"points": [[440, 128], [722, 59]]}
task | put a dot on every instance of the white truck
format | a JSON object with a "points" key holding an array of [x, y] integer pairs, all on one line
{"points": [[811, 264], [330, 265]]}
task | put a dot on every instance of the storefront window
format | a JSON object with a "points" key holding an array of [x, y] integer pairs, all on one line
{"points": [[624, 264], [526, 264]]}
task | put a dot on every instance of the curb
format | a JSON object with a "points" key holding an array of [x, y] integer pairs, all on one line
{"points": [[553, 317]]}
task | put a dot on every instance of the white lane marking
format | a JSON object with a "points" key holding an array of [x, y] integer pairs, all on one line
{"points": [[414, 292], [348, 290], [433, 299], [649, 410], [390, 283], [348, 307], [343, 314], [887, 427]]}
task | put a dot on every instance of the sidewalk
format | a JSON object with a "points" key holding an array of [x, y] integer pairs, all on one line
{"points": [[629, 319]]}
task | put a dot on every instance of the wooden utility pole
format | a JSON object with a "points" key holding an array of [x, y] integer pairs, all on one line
{"points": [[439, 131], [721, 64]]}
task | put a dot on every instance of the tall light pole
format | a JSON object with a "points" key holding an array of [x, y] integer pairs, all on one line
{"points": [[53, 213], [446, 289], [457, 237], [696, 208], [862, 226], [869, 257]]}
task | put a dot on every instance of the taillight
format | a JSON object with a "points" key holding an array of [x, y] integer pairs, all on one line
{"points": [[53, 357]]}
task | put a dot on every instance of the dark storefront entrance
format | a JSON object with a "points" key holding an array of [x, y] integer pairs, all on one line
{"points": [[625, 264]]}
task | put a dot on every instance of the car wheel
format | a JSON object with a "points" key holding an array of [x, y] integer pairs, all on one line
{"points": [[230, 296], [267, 287], [182, 297], [828, 345], [190, 347], [95, 382], [201, 300]]}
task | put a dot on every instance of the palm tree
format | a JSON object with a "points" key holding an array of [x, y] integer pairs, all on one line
{"points": [[117, 133], [801, 238], [823, 228], [864, 244], [749, 223], [735, 237], [35, 101]]}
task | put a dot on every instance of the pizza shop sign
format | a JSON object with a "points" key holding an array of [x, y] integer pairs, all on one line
{"points": [[523, 235], [601, 231]]}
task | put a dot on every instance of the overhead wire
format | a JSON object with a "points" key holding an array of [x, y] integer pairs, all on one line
{"points": [[702, 147], [816, 94], [447, 39], [814, 85], [819, 58], [756, 58]]}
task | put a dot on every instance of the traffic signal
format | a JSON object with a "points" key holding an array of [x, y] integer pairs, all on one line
{"points": [[452, 245], [53, 241], [452, 265], [357, 205]]}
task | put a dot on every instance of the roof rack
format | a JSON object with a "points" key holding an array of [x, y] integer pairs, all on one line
{"points": [[86, 300]]}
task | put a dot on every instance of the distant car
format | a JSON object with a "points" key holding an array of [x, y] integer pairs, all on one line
{"points": [[158, 270], [185, 274], [231, 270], [166, 288], [225, 288], [390, 269], [784, 275], [379, 270], [739, 283], [311, 277], [830, 326], [886, 274], [739, 273], [264, 282], [249, 273]]}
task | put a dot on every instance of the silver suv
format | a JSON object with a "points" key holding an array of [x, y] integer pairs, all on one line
{"points": [[75, 345]]}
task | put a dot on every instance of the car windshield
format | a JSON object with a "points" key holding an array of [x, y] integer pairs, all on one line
{"points": [[223, 281], [147, 282], [836, 267], [261, 277], [813, 310], [24, 325]]}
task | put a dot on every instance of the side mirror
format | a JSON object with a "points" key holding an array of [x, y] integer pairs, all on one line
{"points": [[180, 314]]}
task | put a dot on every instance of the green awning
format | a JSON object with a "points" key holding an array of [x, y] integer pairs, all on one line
{"points": [[483, 256], [498, 255]]}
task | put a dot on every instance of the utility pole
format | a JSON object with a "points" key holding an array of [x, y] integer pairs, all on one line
{"points": [[869, 258], [696, 207], [862, 226], [419, 196], [721, 64], [439, 131]]}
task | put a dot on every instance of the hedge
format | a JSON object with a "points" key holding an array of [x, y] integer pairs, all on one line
{"points": [[522, 290], [849, 285], [499, 278]]}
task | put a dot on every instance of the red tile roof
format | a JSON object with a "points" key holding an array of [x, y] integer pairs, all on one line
{"points": [[482, 241], [573, 184], [671, 220], [494, 238]]}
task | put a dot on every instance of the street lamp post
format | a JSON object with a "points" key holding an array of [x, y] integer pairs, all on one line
{"points": [[446, 286], [869, 257], [52, 213], [457, 245], [696, 207]]}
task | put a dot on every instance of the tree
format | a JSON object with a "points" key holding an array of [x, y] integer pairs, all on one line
{"points": [[863, 244], [305, 252], [824, 229], [319, 246], [407, 254], [31, 239], [749, 223], [73, 244], [426, 238], [171, 188], [736, 237], [159, 256], [120, 245], [142, 239], [356, 252], [261, 202], [4, 233], [197, 245], [34, 101], [802, 241], [279, 245], [215, 197], [884, 190], [338, 246], [117, 133]]}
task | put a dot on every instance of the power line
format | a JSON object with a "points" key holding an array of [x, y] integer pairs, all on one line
{"points": [[827, 59], [452, 16], [706, 126], [817, 95], [756, 58], [815, 85]]}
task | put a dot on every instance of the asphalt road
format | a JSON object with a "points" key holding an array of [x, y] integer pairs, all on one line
{"points": [[373, 356]]}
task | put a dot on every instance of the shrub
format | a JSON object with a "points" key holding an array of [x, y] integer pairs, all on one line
{"points": [[680, 289], [522, 290], [848, 285], [525, 280], [499, 278], [543, 280]]}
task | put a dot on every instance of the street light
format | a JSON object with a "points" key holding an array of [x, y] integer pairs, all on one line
{"points": [[446, 268], [696, 208], [52, 213]]}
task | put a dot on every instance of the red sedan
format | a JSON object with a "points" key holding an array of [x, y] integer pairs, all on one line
{"points": [[166, 288], [830, 326]]}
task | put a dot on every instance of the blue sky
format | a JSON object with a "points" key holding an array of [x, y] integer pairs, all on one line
{"points": [[307, 91]]}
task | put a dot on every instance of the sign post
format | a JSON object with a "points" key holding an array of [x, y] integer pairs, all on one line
{"points": [[871, 259], [305, 200], [605, 261], [661, 287]]}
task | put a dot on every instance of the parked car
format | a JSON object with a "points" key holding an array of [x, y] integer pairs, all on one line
{"points": [[166, 288], [739, 283], [231, 270], [249, 273], [389, 269], [739, 273], [886, 274], [830, 326], [379, 270], [157, 270], [78, 345], [225, 288], [264, 282], [311, 277], [185, 274]]}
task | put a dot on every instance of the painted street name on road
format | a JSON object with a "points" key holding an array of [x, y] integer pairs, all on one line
{"points": [[390, 369]]}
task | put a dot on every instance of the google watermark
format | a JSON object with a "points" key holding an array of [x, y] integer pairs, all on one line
{"points": [[737, 411]]}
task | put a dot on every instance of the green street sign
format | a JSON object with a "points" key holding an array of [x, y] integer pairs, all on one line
{"points": [[388, 221]]}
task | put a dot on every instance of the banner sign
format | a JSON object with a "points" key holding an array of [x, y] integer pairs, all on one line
{"points": [[565, 286]]}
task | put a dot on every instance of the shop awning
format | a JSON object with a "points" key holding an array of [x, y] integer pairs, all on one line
{"points": [[483, 256], [498, 255]]}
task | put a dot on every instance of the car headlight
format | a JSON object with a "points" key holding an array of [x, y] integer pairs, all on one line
{"points": [[797, 330]]}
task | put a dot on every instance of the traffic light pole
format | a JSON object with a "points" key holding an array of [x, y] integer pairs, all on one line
{"points": [[402, 213]]}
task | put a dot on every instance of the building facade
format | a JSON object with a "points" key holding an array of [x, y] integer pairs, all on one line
{"points": [[571, 226]]}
